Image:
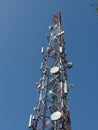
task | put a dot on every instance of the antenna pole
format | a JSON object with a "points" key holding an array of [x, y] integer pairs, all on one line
{"points": [[52, 111]]}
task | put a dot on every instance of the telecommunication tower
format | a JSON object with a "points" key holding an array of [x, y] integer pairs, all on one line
{"points": [[52, 110]]}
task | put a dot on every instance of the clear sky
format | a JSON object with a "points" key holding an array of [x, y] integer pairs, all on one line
{"points": [[23, 28]]}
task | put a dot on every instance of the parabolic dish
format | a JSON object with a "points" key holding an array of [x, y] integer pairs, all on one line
{"points": [[55, 116], [54, 70]]}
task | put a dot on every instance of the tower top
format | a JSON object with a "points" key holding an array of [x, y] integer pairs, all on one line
{"points": [[56, 18]]}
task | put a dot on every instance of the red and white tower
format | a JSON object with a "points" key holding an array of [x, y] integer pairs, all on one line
{"points": [[52, 109]]}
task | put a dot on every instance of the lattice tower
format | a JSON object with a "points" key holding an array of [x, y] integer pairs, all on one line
{"points": [[52, 110]]}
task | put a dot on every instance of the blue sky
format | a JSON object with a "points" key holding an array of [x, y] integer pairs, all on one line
{"points": [[23, 28]]}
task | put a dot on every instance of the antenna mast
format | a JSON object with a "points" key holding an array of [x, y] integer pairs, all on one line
{"points": [[52, 110]]}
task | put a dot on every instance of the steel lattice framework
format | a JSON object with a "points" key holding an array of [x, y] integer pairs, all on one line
{"points": [[52, 110]]}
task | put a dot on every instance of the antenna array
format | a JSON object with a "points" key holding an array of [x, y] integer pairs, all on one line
{"points": [[52, 110]]}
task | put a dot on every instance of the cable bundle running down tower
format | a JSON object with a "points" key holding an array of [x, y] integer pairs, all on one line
{"points": [[52, 110]]}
